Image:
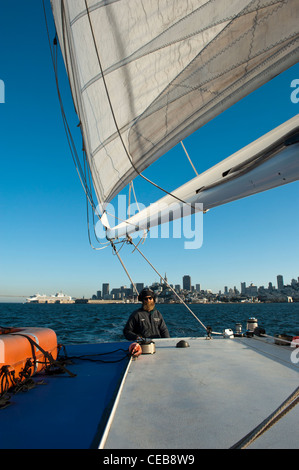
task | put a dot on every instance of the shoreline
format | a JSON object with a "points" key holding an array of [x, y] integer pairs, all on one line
{"points": [[123, 302]]}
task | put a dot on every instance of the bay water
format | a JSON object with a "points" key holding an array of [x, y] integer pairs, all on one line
{"points": [[93, 323]]}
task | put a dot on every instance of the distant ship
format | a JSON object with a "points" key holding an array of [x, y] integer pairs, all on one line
{"points": [[52, 299]]}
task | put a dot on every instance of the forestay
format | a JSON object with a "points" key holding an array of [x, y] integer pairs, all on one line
{"points": [[146, 74]]}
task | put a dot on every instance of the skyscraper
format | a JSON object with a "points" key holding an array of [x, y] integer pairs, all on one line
{"points": [[139, 286], [186, 282], [105, 290], [279, 281]]}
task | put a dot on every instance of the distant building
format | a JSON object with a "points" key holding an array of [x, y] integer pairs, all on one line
{"points": [[105, 290], [243, 287], [197, 287], [186, 282], [139, 286], [279, 281], [251, 291], [115, 293]]}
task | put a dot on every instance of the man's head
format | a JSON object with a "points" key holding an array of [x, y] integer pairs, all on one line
{"points": [[148, 298]]}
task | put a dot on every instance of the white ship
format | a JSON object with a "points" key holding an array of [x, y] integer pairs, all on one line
{"points": [[59, 297]]}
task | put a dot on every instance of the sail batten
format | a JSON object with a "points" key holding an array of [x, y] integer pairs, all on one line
{"points": [[146, 74]]}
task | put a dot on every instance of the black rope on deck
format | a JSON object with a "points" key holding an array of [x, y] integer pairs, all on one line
{"points": [[94, 357]]}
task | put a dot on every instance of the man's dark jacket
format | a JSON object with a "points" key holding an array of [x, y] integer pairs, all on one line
{"points": [[146, 325]]}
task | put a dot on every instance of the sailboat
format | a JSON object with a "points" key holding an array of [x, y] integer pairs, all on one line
{"points": [[144, 76]]}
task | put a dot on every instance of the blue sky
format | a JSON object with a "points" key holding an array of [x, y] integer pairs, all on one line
{"points": [[44, 244]]}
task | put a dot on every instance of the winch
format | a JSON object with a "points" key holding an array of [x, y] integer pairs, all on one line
{"points": [[252, 323], [148, 347]]}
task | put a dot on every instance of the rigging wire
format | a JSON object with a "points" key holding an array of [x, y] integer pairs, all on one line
{"points": [[122, 263], [106, 244], [166, 282], [70, 140], [86, 183], [71, 143], [130, 241]]}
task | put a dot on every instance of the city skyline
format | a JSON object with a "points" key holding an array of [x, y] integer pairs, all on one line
{"points": [[168, 293], [251, 289], [186, 281]]}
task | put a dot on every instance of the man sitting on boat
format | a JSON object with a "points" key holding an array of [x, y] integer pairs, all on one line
{"points": [[147, 321]]}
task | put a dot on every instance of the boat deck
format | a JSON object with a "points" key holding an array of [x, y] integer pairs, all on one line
{"points": [[66, 412], [206, 396], [209, 395]]}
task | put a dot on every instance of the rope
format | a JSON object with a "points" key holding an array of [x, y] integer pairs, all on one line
{"points": [[131, 187], [10, 383], [165, 280], [282, 410], [95, 357], [69, 136], [121, 261], [70, 140], [129, 240], [189, 158], [46, 355], [105, 244]]}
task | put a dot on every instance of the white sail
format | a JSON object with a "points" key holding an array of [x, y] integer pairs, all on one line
{"points": [[145, 74]]}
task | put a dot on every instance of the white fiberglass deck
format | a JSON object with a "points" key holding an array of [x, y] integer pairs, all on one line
{"points": [[209, 395]]}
